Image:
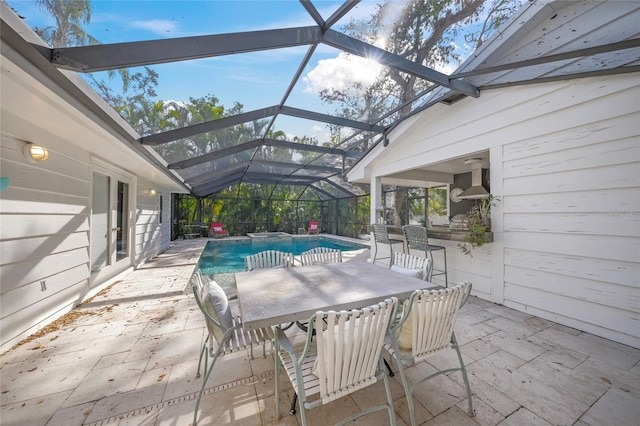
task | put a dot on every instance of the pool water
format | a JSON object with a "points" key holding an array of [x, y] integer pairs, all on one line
{"points": [[220, 257]]}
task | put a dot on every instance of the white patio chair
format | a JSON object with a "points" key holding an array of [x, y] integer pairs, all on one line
{"points": [[425, 329], [269, 259], [342, 357], [320, 255], [225, 332], [407, 264]]}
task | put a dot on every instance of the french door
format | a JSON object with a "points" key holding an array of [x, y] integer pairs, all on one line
{"points": [[111, 223]]}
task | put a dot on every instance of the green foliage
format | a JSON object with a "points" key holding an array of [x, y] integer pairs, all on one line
{"points": [[437, 201], [71, 16], [423, 31], [479, 225]]}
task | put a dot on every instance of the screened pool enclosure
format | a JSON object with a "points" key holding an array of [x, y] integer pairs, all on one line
{"points": [[286, 106]]}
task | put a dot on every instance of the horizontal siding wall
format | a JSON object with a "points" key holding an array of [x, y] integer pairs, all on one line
{"points": [[45, 217], [571, 215], [565, 163], [151, 236], [44, 236], [45, 213]]}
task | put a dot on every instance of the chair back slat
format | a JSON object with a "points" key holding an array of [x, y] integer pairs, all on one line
{"points": [[410, 262], [269, 259], [320, 255], [434, 313], [349, 345]]}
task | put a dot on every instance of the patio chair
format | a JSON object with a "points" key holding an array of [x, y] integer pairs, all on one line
{"points": [[425, 329], [217, 230], [313, 228], [381, 236], [225, 332], [269, 259], [341, 357], [320, 255], [417, 239], [416, 266]]}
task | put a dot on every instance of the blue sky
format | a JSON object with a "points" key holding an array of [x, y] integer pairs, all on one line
{"points": [[256, 80]]}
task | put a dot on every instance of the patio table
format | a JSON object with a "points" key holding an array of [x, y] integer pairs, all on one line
{"points": [[269, 297]]}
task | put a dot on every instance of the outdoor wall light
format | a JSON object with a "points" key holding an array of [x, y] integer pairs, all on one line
{"points": [[36, 153], [152, 192]]}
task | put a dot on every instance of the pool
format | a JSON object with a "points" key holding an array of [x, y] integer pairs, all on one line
{"points": [[221, 257]]}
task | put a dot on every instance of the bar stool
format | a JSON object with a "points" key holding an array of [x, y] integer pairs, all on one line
{"points": [[381, 236], [417, 239]]}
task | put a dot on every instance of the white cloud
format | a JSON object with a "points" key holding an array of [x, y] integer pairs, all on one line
{"points": [[338, 73], [158, 26]]}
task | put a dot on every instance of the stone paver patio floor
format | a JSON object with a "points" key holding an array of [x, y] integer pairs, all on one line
{"points": [[129, 357]]}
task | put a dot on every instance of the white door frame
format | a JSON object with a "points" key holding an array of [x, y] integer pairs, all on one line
{"points": [[113, 264]]}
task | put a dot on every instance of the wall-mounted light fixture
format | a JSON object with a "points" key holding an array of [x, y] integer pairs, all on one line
{"points": [[152, 192], [36, 153]]}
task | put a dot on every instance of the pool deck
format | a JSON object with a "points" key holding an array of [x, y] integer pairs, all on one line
{"points": [[129, 357]]}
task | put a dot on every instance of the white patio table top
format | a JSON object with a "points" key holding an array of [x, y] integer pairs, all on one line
{"points": [[269, 297]]}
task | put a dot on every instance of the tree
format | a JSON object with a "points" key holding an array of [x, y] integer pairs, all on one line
{"points": [[425, 32], [71, 17]]}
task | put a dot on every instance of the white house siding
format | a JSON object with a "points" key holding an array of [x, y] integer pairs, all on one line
{"points": [[45, 213], [151, 236], [44, 236], [565, 162], [571, 213]]}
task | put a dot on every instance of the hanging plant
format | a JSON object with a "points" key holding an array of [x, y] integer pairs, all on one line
{"points": [[479, 225]]}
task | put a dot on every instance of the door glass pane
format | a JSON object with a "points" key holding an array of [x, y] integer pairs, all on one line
{"points": [[100, 227], [438, 204], [122, 214], [416, 211]]}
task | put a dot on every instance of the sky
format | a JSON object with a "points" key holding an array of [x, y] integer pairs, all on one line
{"points": [[255, 80]]}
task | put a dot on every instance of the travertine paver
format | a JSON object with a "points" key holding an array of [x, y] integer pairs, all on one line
{"points": [[131, 355]]}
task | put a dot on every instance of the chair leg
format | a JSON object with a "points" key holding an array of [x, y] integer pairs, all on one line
{"points": [[408, 392], [204, 383], [392, 413], [446, 278], [203, 352], [276, 356], [463, 370], [303, 414], [292, 410], [386, 364]]}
